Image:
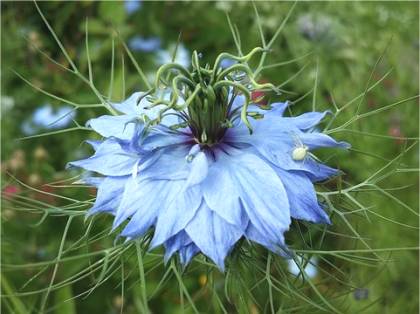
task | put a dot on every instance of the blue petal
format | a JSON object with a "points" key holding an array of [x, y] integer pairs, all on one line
{"points": [[171, 164], [222, 195], [88, 179], [212, 234], [319, 172], [162, 137], [95, 144], [143, 199], [307, 120], [277, 148], [316, 140], [302, 197], [122, 127], [275, 245], [270, 128], [109, 159], [129, 106], [279, 108], [198, 169], [109, 195], [175, 243], [178, 209], [186, 253], [261, 191]]}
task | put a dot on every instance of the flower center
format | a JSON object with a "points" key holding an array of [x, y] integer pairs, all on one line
{"points": [[204, 97], [209, 113]]}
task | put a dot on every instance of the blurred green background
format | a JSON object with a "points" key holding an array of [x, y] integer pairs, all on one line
{"points": [[345, 40]]}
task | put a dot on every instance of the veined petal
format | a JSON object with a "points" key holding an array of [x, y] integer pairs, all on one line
{"points": [[307, 120], [88, 179], [129, 106], [199, 167], [109, 195], [177, 210], [316, 140], [171, 164], [122, 127], [162, 137], [212, 234], [278, 148], [268, 210], [276, 112], [302, 197], [175, 243], [186, 253], [275, 245], [110, 159], [95, 144], [319, 172], [142, 200], [221, 193]]}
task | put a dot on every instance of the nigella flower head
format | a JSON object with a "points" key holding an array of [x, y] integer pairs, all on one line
{"points": [[139, 43], [45, 117], [182, 56], [132, 6], [196, 161]]}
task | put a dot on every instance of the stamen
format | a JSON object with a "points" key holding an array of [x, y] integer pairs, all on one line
{"points": [[204, 137], [135, 171], [205, 95]]}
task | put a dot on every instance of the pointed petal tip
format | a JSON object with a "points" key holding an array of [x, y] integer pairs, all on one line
{"points": [[221, 266], [154, 244], [286, 253], [166, 259], [87, 216], [128, 239], [344, 145], [89, 213], [116, 223], [324, 219]]}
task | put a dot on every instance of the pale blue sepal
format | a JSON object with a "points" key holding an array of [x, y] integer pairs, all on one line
{"points": [[179, 208], [212, 235]]}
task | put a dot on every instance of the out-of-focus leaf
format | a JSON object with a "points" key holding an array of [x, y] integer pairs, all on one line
{"points": [[112, 11], [16, 304], [96, 26], [64, 301]]}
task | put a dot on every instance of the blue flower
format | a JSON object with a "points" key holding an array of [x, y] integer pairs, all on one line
{"points": [[132, 6], [139, 43], [46, 118], [227, 62], [206, 199], [182, 56], [198, 177]]}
